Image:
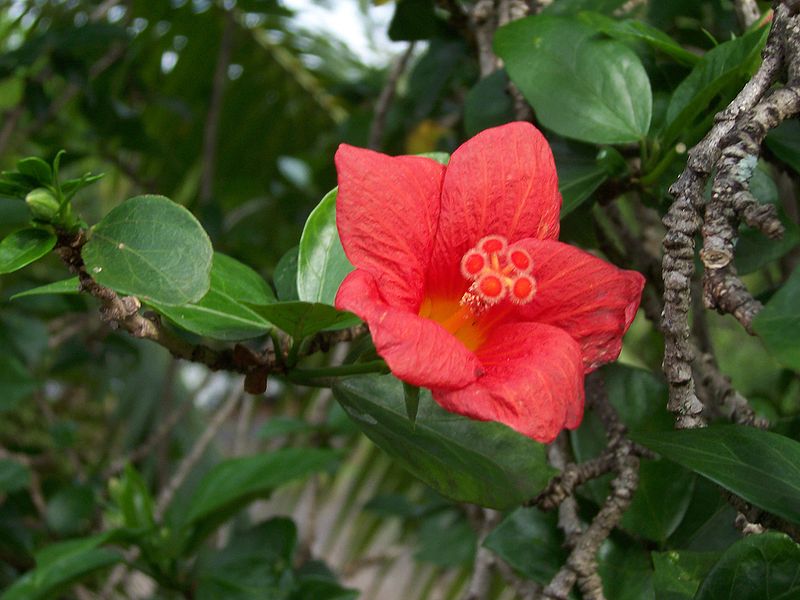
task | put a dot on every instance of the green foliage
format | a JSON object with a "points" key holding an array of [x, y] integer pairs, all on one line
{"points": [[778, 324], [23, 247], [580, 87], [470, 461]]}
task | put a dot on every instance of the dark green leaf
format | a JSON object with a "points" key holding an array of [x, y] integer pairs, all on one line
{"points": [[758, 567], [321, 263], [721, 67], [529, 540], [573, 7], [70, 509], [581, 170], [632, 30], [470, 461], [446, 539], [65, 286], [411, 397], [152, 248], [625, 571], [784, 141], [15, 381], [301, 319], [37, 169], [62, 563], [23, 247], [778, 323], [237, 481], [488, 104], [761, 467], [225, 312], [660, 500], [14, 476], [580, 87], [279, 426], [678, 574], [285, 277]]}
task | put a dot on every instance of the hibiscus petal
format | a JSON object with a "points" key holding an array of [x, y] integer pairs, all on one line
{"points": [[533, 382], [418, 351], [589, 298], [387, 209], [502, 181]]}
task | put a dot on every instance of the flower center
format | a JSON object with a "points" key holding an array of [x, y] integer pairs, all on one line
{"points": [[496, 271]]}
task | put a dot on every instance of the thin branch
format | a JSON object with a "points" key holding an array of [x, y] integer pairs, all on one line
{"points": [[481, 578], [385, 99]]}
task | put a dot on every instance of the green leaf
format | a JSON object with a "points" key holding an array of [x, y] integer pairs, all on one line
{"points": [[484, 463], [574, 7], [152, 248], [37, 169], [133, 500], [580, 87], [285, 277], [65, 286], [625, 571], [226, 311], [23, 247], [279, 426], [678, 573], [758, 567], [784, 141], [15, 381], [61, 564], [631, 30], [413, 20], [581, 170], [235, 482], [446, 539], [255, 564], [660, 500], [761, 467], [301, 319], [321, 262], [720, 68], [14, 476], [778, 323], [488, 104], [529, 540], [70, 509], [411, 397]]}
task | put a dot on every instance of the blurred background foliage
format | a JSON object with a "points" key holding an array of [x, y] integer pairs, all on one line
{"points": [[234, 109]]}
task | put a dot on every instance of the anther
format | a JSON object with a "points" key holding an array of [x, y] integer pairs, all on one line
{"points": [[523, 289], [472, 264], [493, 244], [491, 288], [521, 260]]}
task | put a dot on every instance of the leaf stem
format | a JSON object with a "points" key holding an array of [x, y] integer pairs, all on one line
{"points": [[375, 366]]}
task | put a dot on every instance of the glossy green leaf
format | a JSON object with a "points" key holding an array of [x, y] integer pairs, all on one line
{"points": [[723, 66], [65, 286], [581, 170], [321, 263], [485, 463], [678, 574], [488, 103], [152, 248], [14, 476], [285, 277], [301, 319], [23, 247], [632, 30], [581, 87], [758, 567], [660, 500], [226, 311], [778, 323], [15, 382], [625, 570], [784, 141], [760, 466], [235, 482], [62, 563], [529, 540]]}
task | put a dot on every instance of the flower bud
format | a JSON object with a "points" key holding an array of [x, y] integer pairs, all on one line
{"points": [[43, 204]]}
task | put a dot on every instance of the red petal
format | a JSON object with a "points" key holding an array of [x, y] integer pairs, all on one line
{"points": [[589, 298], [533, 382], [418, 351], [502, 181], [387, 210]]}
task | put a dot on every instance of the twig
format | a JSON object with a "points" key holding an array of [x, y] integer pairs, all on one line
{"points": [[385, 99], [573, 475], [683, 223], [211, 128], [481, 579], [196, 452]]}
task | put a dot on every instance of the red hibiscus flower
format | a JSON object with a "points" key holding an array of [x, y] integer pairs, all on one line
{"points": [[465, 289]]}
